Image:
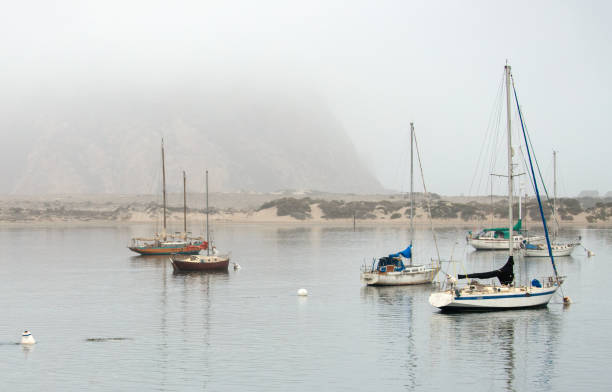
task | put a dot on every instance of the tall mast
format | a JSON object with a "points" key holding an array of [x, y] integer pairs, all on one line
{"points": [[164, 187], [508, 113], [411, 185], [184, 205], [555, 195], [520, 211], [207, 235]]}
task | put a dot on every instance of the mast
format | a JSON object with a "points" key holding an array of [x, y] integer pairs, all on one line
{"points": [[491, 199], [537, 192], [508, 113], [164, 187], [184, 205], [555, 229], [411, 185], [207, 235], [520, 212]]}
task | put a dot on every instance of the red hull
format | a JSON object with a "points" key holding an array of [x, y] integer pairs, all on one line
{"points": [[162, 250]]}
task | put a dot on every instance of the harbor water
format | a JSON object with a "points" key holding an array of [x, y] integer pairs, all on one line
{"points": [[106, 319]]}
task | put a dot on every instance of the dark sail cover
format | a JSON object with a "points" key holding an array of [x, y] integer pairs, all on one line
{"points": [[505, 274]]}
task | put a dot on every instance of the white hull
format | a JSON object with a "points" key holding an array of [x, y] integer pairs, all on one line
{"points": [[500, 243], [558, 250], [492, 298], [411, 275]]}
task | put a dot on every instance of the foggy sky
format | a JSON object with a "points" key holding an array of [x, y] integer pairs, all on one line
{"points": [[378, 65]]}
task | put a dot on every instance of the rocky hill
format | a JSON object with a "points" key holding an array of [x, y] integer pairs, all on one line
{"points": [[109, 142]]}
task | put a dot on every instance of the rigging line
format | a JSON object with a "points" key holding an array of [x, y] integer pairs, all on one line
{"points": [[487, 139], [530, 146], [534, 156], [427, 198], [497, 143], [493, 147], [552, 258], [548, 199]]}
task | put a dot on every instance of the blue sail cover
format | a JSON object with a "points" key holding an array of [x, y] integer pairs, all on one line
{"points": [[407, 253]]}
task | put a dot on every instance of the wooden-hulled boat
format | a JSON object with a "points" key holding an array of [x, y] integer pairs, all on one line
{"points": [[210, 262], [185, 263]]}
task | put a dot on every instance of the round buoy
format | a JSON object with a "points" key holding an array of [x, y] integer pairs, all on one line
{"points": [[590, 253], [236, 266], [302, 292], [27, 338], [567, 300]]}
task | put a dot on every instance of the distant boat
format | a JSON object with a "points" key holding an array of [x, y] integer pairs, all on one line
{"points": [[164, 243], [498, 238], [391, 270], [214, 262], [558, 249], [476, 296]]}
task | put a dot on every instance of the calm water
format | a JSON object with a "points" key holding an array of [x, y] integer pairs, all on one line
{"points": [[248, 330]]}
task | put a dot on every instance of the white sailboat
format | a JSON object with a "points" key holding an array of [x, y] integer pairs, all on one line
{"points": [[530, 249], [498, 238], [391, 270], [476, 296]]}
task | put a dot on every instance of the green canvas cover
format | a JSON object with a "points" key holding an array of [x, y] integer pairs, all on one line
{"points": [[504, 230]]}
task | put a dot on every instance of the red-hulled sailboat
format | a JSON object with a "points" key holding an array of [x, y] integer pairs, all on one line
{"points": [[214, 262], [167, 244]]}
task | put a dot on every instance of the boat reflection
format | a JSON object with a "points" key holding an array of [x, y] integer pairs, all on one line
{"points": [[27, 349], [395, 308], [395, 295], [148, 261], [470, 337]]}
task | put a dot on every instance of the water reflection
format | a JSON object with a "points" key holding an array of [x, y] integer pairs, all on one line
{"points": [[503, 347], [149, 261], [249, 331], [27, 349], [395, 310]]}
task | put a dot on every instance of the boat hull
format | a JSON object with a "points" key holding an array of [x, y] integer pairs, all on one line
{"points": [[499, 243], [558, 250], [512, 298], [166, 251], [218, 263], [408, 277]]}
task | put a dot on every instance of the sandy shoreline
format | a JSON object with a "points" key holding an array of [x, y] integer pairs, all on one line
{"points": [[196, 222], [269, 209]]}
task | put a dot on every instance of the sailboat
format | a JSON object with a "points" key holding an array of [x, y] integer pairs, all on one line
{"points": [[497, 238], [210, 262], [164, 243], [391, 270], [476, 296], [558, 249]]}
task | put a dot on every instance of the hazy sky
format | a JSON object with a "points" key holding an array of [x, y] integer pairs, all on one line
{"points": [[378, 64]]}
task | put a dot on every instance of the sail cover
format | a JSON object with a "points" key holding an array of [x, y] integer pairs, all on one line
{"points": [[505, 274], [503, 231], [407, 253]]}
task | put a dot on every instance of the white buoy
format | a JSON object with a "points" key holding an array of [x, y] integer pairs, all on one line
{"points": [[236, 266], [27, 338], [302, 292]]}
